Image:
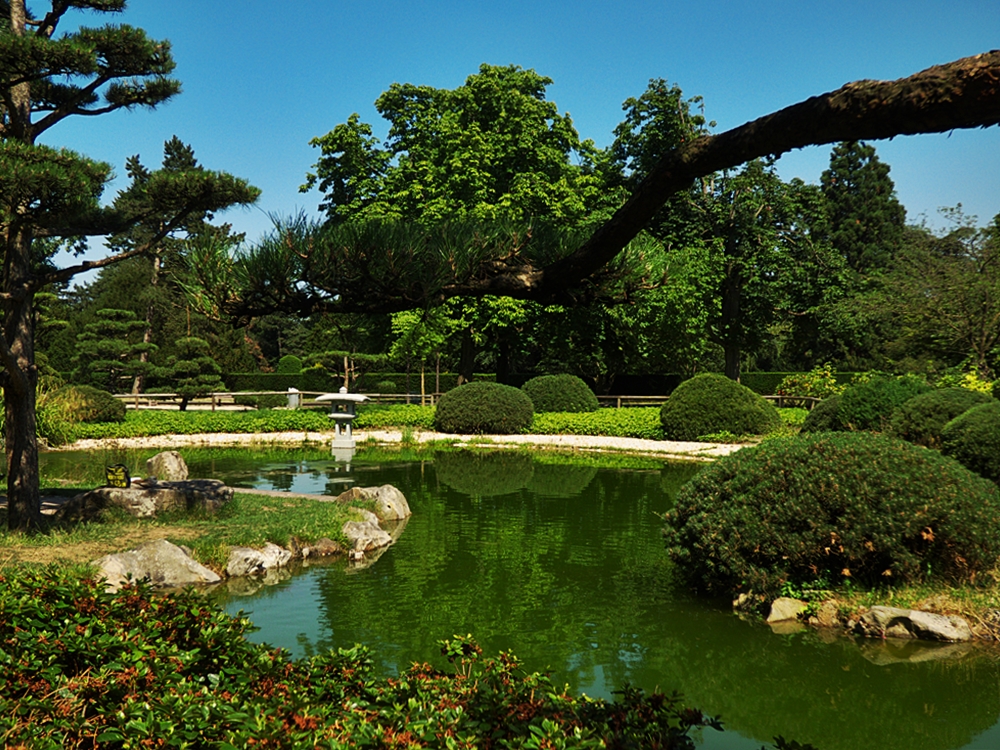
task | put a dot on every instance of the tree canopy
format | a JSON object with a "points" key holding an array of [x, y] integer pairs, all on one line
{"points": [[357, 266]]}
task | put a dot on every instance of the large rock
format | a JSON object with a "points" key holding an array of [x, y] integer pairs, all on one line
{"points": [[167, 467], [784, 609], [145, 502], [892, 622], [389, 502], [161, 563], [246, 561], [365, 535]]}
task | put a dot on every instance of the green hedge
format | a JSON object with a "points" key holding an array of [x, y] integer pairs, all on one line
{"points": [[832, 507], [261, 381]]}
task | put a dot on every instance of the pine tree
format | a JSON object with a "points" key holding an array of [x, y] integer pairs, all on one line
{"points": [[110, 350], [866, 219], [52, 193], [193, 371]]}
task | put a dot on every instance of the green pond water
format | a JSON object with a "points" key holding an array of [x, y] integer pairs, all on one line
{"points": [[560, 560]]}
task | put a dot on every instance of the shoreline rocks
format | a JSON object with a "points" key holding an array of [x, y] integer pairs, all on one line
{"points": [[878, 622], [166, 565]]}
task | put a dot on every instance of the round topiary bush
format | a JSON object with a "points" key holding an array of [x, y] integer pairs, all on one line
{"points": [[560, 393], [821, 508], [289, 365], [84, 403], [869, 406], [711, 403], [973, 439], [482, 407], [823, 417], [921, 419]]}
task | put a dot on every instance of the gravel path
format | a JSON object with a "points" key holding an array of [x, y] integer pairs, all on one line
{"points": [[667, 448]]}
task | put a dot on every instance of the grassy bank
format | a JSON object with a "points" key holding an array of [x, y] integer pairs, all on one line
{"points": [[249, 520]]}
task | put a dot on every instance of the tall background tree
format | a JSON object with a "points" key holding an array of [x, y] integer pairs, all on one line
{"points": [[46, 77]]}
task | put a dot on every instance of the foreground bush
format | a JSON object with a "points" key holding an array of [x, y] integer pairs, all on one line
{"points": [[973, 439], [565, 393], [83, 668], [921, 419], [711, 403], [870, 405], [84, 403], [484, 408], [830, 507]]}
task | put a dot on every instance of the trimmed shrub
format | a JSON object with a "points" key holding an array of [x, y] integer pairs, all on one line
{"points": [[484, 408], [385, 386], [824, 508], [711, 403], [289, 365], [921, 419], [84, 403], [566, 393], [824, 416], [870, 405], [973, 439]]}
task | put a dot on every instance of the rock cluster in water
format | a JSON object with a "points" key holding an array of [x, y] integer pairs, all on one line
{"points": [[169, 566]]}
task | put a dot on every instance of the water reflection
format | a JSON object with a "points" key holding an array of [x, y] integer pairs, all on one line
{"points": [[562, 562]]}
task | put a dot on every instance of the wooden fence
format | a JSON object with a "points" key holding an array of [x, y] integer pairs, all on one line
{"points": [[227, 400]]}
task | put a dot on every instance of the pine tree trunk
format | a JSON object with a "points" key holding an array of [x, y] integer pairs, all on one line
{"points": [[147, 336], [20, 439], [731, 325]]}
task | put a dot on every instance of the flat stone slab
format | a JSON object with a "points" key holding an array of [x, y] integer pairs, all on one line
{"points": [[149, 501]]}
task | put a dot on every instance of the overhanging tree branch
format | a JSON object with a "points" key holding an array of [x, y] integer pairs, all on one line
{"points": [[960, 94]]}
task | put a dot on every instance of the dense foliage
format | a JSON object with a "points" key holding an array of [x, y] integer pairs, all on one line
{"points": [[830, 507], [560, 393], [870, 405], [81, 667], [921, 419], [973, 438], [484, 408], [820, 382], [84, 403], [711, 403]]}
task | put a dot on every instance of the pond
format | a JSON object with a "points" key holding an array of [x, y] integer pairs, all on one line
{"points": [[559, 558]]}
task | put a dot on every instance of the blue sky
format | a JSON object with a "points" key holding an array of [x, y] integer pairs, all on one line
{"points": [[262, 78]]}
